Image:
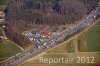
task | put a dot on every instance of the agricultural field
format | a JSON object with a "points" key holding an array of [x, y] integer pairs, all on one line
{"points": [[90, 39], [7, 50], [3, 2], [93, 38]]}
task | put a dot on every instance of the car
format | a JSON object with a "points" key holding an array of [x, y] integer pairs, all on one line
{"points": [[34, 39], [39, 47], [88, 24], [94, 16], [46, 46], [52, 40], [44, 43]]}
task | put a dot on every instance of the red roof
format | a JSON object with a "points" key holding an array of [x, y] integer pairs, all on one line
{"points": [[46, 33]]}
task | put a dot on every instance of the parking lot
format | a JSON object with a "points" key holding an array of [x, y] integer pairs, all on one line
{"points": [[40, 35]]}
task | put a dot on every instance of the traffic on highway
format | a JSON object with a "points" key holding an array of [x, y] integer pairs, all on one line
{"points": [[54, 37]]}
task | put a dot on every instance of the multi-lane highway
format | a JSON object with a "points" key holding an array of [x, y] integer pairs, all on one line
{"points": [[19, 58]]}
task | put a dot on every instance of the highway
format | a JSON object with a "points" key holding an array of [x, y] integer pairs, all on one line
{"points": [[17, 59]]}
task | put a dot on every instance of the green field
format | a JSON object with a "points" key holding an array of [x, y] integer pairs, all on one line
{"points": [[3, 2], [7, 50], [65, 48], [93, 38]]}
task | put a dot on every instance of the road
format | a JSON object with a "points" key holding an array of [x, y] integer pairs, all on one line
{"points": [[14, 61]]}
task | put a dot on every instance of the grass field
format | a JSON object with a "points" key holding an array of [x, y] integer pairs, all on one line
{"points": [[65, 48], [7, 50], [3, 2], [93, 38]]}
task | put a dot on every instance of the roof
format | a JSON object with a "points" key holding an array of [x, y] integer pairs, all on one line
{"points": [[46, 33]]}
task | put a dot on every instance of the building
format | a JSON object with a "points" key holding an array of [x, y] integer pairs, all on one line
{"points": [[2, 14], [46, 34]]}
